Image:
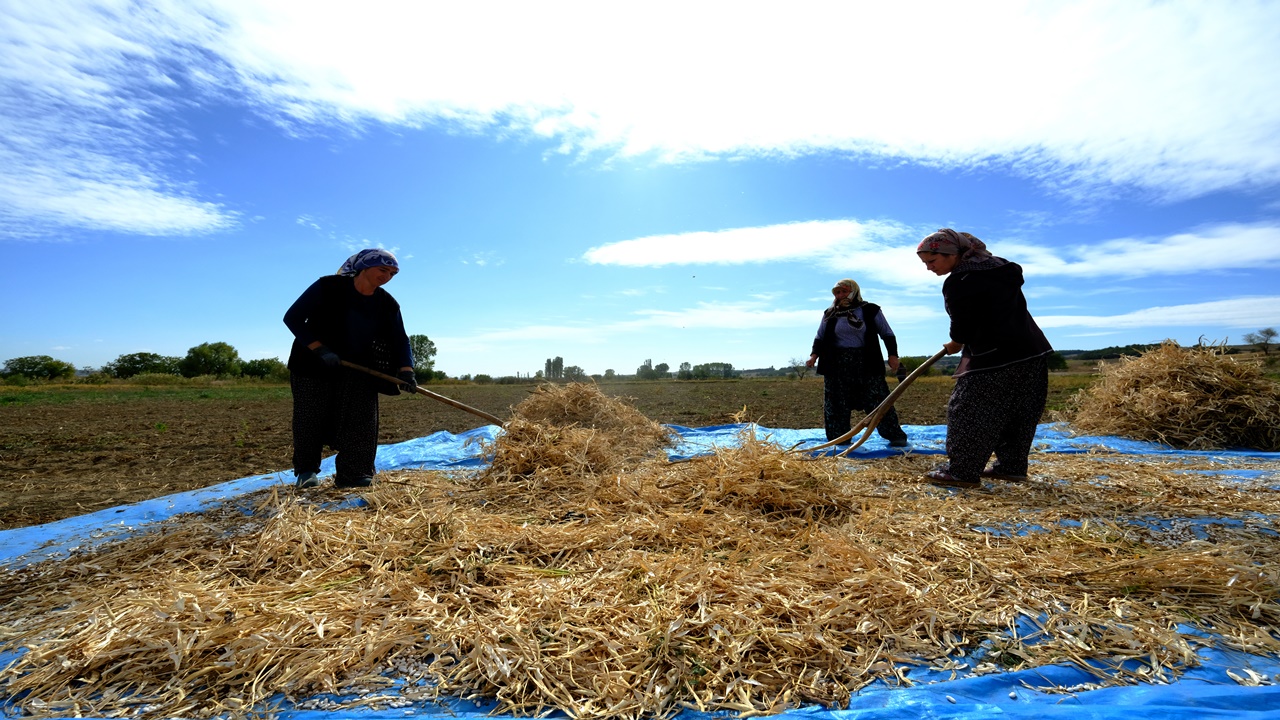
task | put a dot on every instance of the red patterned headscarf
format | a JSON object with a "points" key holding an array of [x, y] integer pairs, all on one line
{"points": [[949, 242]]}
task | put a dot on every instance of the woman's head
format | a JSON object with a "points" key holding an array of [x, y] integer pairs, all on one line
{"points": [[846, 290], [367, 259], [944, 249]]}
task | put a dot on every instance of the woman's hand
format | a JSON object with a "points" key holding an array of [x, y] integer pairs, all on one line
{"points": [[812, 359], [893, 363], [952, 347]]}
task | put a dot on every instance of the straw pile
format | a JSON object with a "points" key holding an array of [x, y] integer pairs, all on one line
{"points": [[1196, 398], [751, 580], [563, 432]]}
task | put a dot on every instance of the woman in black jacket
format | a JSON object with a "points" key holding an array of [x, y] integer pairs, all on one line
{"points": [[1002, 381], [847, 352], [347, 316]]}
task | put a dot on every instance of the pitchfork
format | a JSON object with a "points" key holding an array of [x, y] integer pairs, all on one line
{"points": [[869, 423], [423, 391]]}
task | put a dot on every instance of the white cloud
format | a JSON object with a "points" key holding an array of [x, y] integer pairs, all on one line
{"points": [[1244, 312], [876, 252], [1230, 246], [1175, 97], [1172, 97], [738, 246], [81, 90]]}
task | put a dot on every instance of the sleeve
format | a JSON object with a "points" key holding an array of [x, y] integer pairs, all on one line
{"points": [[817, 339], [404, 349], [886, 334], [295, 318]]}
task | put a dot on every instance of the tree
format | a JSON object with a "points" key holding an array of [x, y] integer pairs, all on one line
{"points": [[609, 374], [1056, 361], [714, 370], [1262, 339], [685, 372], [424, 355], [210, 359], [573, 373], [554, 369], [662, 369], [266, 368], [38, 366], [646, 371], [126, 366], [797, 366]]}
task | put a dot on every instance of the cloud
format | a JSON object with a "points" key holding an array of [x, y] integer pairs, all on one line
{"points": [[1170, 97], [1244, 312], [876, 252], [738, 246], [1252, 246], [80, 141], [1174, 99]]}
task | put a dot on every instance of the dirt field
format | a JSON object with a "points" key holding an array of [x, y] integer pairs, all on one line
{"points": [[70, 450]]}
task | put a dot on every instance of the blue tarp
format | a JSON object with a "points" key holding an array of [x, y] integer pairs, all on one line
{"points": [[1202, 692]]}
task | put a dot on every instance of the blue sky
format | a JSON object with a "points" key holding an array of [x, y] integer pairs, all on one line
{"points": [[610, 183]]}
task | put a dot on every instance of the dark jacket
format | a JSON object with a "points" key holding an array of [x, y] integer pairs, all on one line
{"points": [[989, 315], [872, 360], [367, 330]]}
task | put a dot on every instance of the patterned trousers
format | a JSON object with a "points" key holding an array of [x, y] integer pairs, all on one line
{"points": [[847, 387], [340, 411], [995, 411]]}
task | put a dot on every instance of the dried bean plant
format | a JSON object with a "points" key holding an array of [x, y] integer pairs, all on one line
{"points": [[564, 578]]}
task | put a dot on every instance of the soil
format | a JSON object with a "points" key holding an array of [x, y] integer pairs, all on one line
{"points": [[71, 452]]}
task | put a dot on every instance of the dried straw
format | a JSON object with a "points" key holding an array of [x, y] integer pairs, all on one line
{"points": [[748, 581], [1196, 398]]}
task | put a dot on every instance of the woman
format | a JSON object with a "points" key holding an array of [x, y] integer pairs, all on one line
{"points": [[1002, 380], [347, 316], [847, 352]]}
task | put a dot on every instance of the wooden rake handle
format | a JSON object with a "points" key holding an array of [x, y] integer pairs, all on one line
{"points": [[869, 423], [423, 391]]}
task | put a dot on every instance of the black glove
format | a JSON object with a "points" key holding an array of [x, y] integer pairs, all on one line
{"points": [[327, 356], [408, 382], [902, 372]]}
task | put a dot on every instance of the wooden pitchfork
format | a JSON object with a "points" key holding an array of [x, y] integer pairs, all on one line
{"points": [[869, 423], [423, 391]]}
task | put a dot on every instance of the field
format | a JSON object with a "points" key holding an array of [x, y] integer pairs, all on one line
{"points": [[67, 450]]}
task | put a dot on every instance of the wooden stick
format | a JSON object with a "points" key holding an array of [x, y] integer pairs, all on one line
{"points": [[869, 423], [423, 391]]}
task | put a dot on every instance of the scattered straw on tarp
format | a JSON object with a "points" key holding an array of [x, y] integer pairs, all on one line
{"points": [[1194, 398], [751, 580]]}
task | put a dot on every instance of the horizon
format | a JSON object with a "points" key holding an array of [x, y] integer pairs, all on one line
{"points": [[609, 186]]}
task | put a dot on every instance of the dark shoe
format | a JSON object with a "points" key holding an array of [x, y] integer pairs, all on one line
{"points": [[900, 442], [357, 483], [308, 480], [996, 474], [946, 479]]}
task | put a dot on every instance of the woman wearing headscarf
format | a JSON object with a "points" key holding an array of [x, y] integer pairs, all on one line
{"points": [[847, 353], [347, 316], [1002, 381]]}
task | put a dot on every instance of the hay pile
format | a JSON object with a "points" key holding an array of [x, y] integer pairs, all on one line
{"points": [[563, 432], [751, 580], [1195, 398]]}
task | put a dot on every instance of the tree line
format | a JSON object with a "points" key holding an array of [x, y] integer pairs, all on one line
{"points": [[218, 359]]}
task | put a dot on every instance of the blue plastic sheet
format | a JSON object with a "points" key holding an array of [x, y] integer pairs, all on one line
{"points": [[1202, 692]]}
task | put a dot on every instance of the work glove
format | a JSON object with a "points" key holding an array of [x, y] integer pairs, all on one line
{"points": [[408, 382], [327, 356]]}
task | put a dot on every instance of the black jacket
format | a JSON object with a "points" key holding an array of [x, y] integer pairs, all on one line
{"points": [[989, 315], [367, 330]]}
